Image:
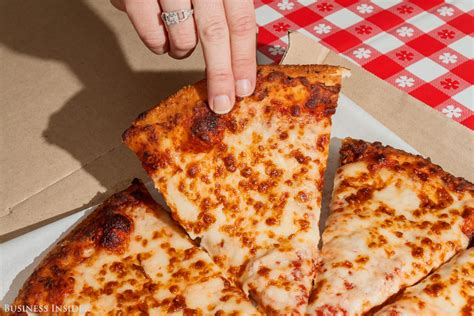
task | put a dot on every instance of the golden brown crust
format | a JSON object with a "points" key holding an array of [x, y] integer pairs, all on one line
{"points": [[354, 150], [321, 80], [108, 228], [378, 155], [169, 110]]}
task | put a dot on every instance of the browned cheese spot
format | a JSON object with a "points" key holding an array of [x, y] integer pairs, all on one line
{"points": [[434, 289]]}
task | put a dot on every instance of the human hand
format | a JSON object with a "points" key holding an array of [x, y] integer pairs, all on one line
{"points": [[226, 29]]}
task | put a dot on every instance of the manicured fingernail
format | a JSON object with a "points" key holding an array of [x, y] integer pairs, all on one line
{"points": [[243, 88], [221, 104]]}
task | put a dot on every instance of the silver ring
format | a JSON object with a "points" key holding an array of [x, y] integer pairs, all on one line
{"points": [[176, 17]]}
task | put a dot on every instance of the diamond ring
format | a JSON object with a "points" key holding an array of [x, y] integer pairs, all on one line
{"points": [[176, 17]]}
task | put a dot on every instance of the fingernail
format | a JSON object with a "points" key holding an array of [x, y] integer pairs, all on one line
{"points": [[243, 88], [221, 104]]}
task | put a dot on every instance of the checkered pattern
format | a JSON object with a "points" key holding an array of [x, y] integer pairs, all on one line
{"points": [[422, 47]]}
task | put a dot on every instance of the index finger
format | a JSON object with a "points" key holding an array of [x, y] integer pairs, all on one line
{"points": [[214, 36], [242, 26]]}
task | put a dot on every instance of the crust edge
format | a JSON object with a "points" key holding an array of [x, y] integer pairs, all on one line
{"points": [[354, 150], [331, 75], [49, 283]]}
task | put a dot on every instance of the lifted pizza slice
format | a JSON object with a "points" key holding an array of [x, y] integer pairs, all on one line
{"points": [[394, 218], [248, 183], [129, 258], [448, 291]]}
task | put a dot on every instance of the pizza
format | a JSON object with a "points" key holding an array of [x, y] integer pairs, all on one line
{"points": [[448, 291], [248, 183], [129, 258], [394, 218]]}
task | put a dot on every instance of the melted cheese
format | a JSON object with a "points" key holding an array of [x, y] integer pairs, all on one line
{"points": [[162, 272], [448, 291], [386, 231], [252, 196], [240, 237], [159, 271]]}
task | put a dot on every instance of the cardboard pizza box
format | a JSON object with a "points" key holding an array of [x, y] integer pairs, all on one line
{"points": [[74, 76]]}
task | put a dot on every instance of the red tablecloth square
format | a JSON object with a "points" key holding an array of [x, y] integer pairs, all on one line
{"points": [[464, 23], [426, 5], [469, 121], [465, 71], [346, 3], [385, 20], [303, 16], [342, 40], [426, 44], [383, 67], [429, 94], [266, 37]]}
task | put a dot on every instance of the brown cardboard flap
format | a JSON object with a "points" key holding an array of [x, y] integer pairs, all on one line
{"points": [[446, 142], [74, 76]]}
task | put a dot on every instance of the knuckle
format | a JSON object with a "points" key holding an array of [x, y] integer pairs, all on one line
{"points": [[219, 74], [242, 25], [215, 30], [184, 42], [155, 42], [243, 62]]}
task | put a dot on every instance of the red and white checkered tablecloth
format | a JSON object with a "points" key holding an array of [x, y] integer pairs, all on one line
{"points": [[423, 47]]}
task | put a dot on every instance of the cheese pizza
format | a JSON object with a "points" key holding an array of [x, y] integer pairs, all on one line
{"points": [[128, 258], [448, 291], [394, 218], [248, 183]]}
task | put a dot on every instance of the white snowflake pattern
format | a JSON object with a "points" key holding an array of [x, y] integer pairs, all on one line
{"points": [[285, 5], [405, 31], [362, 53], [365, 8], [445, 11], [322, 28], [448, 58], [404, 81], [451, 110], [276, 50]]}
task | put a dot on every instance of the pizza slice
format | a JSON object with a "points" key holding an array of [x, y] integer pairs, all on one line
{"points": [[394, 218], [448, 291], [129, 258], [248, 183]]}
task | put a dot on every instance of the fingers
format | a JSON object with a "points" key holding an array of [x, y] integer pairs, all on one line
{"points": [[227, 32], [144, 15], [242, 27], [214, 36], [182, 37]]}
